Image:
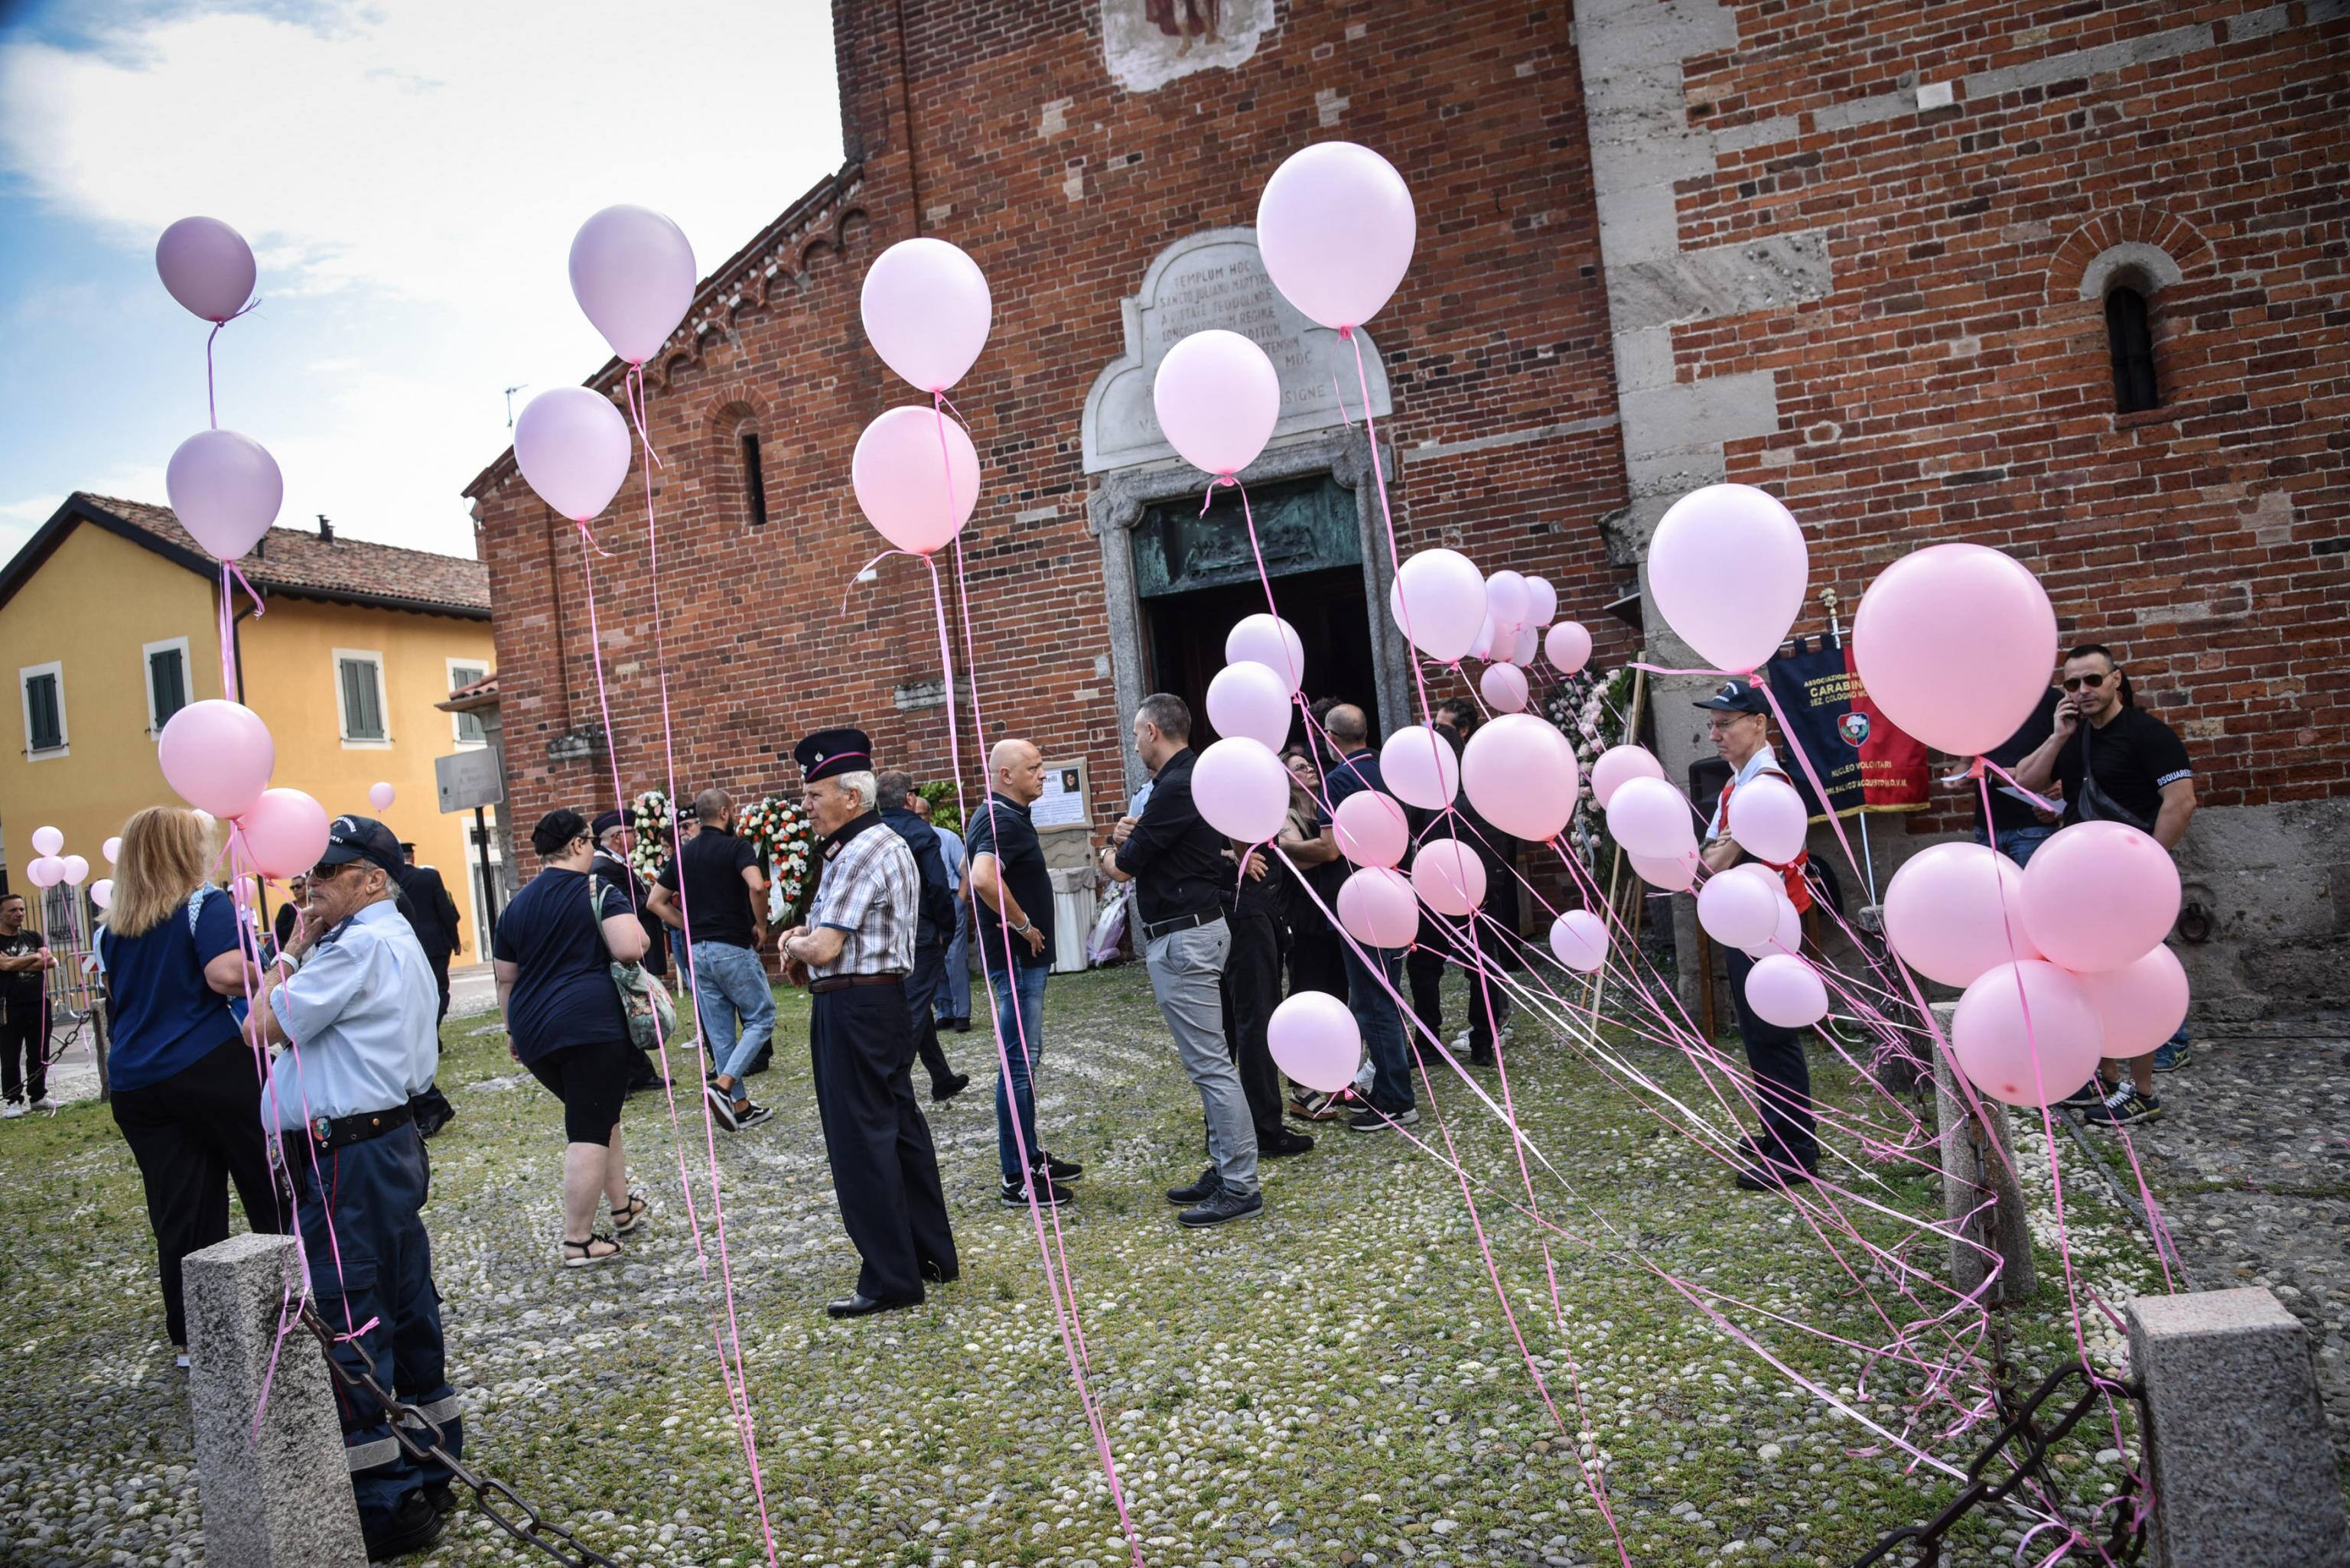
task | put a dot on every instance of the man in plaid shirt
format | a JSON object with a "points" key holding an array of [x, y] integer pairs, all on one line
{"points": [[853, 956]]}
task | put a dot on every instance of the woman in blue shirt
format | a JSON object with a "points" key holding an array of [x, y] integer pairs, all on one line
{"points": [[183, 1080]]}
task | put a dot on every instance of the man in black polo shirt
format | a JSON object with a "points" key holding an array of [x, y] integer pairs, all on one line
{"points": [[1179, 866], [726, 901], [934, 928], [24, 961]]}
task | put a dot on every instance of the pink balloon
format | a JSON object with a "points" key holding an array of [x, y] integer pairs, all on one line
{"points": [[926, 311], [1567, 646], [1267, 639], [218, 755], [632, 272], [1218, 399], [1541, 602], [1954, 643], [1370, 828], [1787, 991], [1503, 687], [1579, 938], [101, 892], [2026, 1033], [1335, 229], [1420, 769], [1480, 647], [1507, 598], [573, 447], [1529, 644], [1666, 873], [47, 840], [1618, 763], [226, 490], [1248, 699], [1521, 774], [1955, 910], [1728, 569], [382, 795], [1768, 819], [1439, 602], [285, 832], [111, 848], [1378, 908], [915, 495], [1447, 874], [1737, 911], [75, 868], [2141, 1005], [1313, 1038], [207, 267], [2099, 895], [1649, 816], [46, 871], [1787, 936], [1243, 790]]}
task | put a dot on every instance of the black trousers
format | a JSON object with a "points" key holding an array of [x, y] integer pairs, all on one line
{"points": [[433, 1106], [922, 983], [1424, 968], [1782, 1077], [22, 1041], [885, 1170], [192, 1134], [1317, 955], [1251, 990]]}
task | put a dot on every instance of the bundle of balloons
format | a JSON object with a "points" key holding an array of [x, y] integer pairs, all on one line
{"points": [[50, 865]]}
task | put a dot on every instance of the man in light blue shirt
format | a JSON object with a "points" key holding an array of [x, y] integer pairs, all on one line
{"points": [[954, 986]]}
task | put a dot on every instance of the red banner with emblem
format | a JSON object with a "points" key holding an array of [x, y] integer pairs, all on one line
{"points": [[1866, 764]]}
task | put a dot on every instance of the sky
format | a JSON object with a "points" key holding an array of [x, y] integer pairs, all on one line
{"points": [[409, 174]]}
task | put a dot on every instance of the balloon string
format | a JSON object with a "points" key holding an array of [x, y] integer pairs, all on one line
{"points": [[1983, 764]]}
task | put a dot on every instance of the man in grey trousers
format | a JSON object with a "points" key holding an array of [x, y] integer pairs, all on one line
{"points": [[1179, 866]]}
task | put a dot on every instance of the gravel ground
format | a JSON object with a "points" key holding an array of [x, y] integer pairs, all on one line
{"points": [[1331, 1384]]}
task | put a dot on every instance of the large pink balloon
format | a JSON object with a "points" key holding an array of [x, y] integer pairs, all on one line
{"points": [[1541, 602], [2027, 1033], [1370, 828], [1503, 687], [1954, 643], [218, 755], [2098, 894], [2141, 1005], [1521, 774], [1335, 229], [1243, 790], [111, 848], [1447, 874], [1787, 991], [1528, 645], [1313, 1038], [1618, 763], [573, 446], [1419, 768], [632, 274], [1955, 910], [1568, 646], [75, 868], [1787, 936], [1248, 699], [47, 840], [1507, 598], [1379, 909], [1438, 603], [284, 831], [1768, 819], [1267, 639], [381, 796], [1218, 399], [101, 892], [1579, 938], [926, 311], [207, 267], [1728, 569], [226, 490], [917, 494], [1666, 873], [1649, 816], [1737, 911], [47, 871]]}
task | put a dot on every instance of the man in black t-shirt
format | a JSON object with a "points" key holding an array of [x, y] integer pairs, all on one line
{"points": [[725, 898], [2020, 827], [25, 964]]}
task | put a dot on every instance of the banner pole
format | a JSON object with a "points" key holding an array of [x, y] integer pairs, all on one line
{"points": [[1868, 860]]}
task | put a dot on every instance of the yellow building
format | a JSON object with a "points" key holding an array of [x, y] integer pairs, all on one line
{"points": [[110, 623]]}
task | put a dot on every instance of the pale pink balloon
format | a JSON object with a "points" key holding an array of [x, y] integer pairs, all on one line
{"points": [[1737, 911], [1370, 828], [76, 867], [1248, 699], [1768, 819], [1335, 227], [101, 892], [1666, 874], [285, 832], [2099, 895], [632, 272], [2026, 1033], [1243, 790], [218, 755], [1519, 773], [46, 871], [226, 490], [1218, 399], [573, 447], [47, 840], [1954, 643], [1503, 687], [1579, 938], [1482, 645], [1507, 598], [1541, 602], [1567, 646], [207, 267], [926, 311], [1313, 1038], [916, 475], [381, 796], [1439, 600], [1267, 639], [1787, 936], [1419, 768], [1379, 909], [1728, 569], [1786, 991], [1649, 816], [1527, 645], [2140, 1004], [1449, 876], [1955, 910], [1618, 763], [111, 848]]}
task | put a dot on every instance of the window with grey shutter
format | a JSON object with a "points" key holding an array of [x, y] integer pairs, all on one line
{"points": [[167, 684], [44, 721], [362, 702], [469, 725]]}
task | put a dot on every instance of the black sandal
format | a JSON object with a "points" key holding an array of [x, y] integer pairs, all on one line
{"points": [[584, 1255], [632, 1215]]}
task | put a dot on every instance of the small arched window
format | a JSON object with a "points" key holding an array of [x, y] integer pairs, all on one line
{"points": [[2131, 340], [755, 477]]}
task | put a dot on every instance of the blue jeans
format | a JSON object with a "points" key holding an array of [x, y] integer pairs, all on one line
{"points": [[1020, 1016], [729, 986], [1379, 1016], [954, 986], [2018, 842]]}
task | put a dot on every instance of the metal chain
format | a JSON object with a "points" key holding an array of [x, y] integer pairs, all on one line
{"points": [[529, 1527]]}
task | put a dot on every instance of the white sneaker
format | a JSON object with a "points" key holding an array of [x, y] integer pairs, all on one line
{"points": [[45, 1104], [181, 1361], [14, 1108], [1461, 1042]]}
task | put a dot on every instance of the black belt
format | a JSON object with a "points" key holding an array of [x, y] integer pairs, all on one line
{"points": [[337, 1132], [1151, 933], [837, 982]]}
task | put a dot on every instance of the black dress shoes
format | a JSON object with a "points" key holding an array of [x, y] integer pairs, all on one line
{"points": [[857, 1303]]}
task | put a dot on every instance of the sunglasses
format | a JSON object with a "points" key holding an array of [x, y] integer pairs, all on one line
{"points": [[325, 873], [2075, 682]]}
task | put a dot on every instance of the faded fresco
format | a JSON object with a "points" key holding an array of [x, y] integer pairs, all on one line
{"points": [[1148, 43]]}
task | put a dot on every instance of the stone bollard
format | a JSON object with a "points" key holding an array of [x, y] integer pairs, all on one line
{"points": [[1973, 1159], [2241, 1466], [282, 1500]]}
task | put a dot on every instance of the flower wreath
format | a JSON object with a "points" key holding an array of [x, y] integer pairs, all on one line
{"points": [[784, 837], [649, 820]]}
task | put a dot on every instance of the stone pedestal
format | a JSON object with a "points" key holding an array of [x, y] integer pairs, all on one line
{"points": [[2242, 1471], [281, 1500], [1975, 1158]]}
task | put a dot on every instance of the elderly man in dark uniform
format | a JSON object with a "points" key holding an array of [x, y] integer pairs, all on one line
{"points": [[853, 955]]}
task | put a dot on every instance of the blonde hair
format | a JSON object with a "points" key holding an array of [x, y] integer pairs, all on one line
{"points": [[166, 855]]}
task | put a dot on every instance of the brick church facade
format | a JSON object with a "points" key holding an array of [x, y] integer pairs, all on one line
{"points": [[1881, 259]]}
